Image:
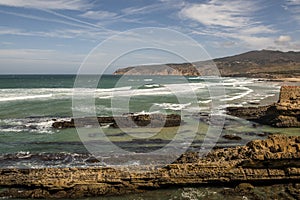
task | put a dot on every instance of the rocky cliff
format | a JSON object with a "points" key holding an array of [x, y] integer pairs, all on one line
{"points": [[284, 113], [265, 64], [276, 159]]}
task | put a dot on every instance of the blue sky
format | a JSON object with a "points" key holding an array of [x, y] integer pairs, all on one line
{"points": [[54, 36]]}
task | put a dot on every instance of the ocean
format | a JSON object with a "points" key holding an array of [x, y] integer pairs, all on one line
{"points": [[30, 104]]}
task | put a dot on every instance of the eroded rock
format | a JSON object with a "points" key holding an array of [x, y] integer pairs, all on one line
{"points": [[284, 113], [276, 159]]}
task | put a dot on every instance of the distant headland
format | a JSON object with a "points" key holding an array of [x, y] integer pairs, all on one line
{"points": [[257, 64]]}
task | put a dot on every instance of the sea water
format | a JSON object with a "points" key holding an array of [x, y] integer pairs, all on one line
{"points": [[29, 104]]}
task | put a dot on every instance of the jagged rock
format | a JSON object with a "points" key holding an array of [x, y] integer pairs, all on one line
{"points": [[284, 113], [275, 159], [129, 120], [189, 157]]}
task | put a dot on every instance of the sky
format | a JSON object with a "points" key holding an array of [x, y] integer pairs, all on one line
{"points": [[56, 36]]}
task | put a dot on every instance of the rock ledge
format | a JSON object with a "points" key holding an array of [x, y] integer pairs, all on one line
{"points": [[275, 159]]}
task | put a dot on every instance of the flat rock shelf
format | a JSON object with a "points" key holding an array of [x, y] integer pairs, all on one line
{"points": [[273, 160]]}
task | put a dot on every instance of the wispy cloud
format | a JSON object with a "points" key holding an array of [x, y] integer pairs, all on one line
{"points": [[230, 19], [235, 13], [31, 60], [283, 40], [79, 34], [294, 7], [48, 4], [99, 15], [155, 7], [45, 19], [286, 42], [142, 10]]}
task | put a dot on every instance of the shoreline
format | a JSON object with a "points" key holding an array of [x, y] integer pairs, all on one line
{"points": [[273, 160], [258, 163]]}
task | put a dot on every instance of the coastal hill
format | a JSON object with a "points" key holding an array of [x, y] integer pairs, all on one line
{"points": [[264, 64]]}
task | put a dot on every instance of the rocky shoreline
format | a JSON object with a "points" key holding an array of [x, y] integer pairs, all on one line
{"points": [[285, 113], [273, 160]]}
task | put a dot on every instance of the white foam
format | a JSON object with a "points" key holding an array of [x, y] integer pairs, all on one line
{"points": [[146, 113], [172, 106], [25, 97], [194, 78], [7, 95], [205, 101], [152, 85], [38, 125], [240, 95]]}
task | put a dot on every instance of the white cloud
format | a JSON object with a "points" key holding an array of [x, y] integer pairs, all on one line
{"points": [[98, 15], [162, 5], [142, 10], [283, 40], [83, 34], [286, 42], [48, 4], [257, 29], [231, 20], [233, 13]]}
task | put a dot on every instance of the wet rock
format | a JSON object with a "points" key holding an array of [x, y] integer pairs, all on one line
{"points": [[232, 137], [294, 190], [124, 121], [244, 188], [284, 113], [275, 159]]}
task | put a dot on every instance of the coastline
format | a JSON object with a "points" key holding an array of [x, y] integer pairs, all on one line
{"points": [[259, 163], [273, 160]]}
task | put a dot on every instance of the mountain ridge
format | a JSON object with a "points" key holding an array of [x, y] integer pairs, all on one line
{"points": [[259, 63]]}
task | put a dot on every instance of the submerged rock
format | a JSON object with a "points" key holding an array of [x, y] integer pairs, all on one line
{"points": [[284, 113], [232, 137]]}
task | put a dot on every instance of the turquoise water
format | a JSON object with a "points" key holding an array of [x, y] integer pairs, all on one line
{"points": [[29, 104]]}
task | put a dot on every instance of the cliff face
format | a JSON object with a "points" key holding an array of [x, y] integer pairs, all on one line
{"points": [[284, 113], [186, 69], [274, 159], [265, 63]]}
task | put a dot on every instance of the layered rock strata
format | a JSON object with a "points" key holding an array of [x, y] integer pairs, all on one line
{"points": [[276, 159], [284, 113]]}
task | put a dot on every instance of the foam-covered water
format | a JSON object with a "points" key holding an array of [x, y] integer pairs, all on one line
{"points": [[30, 104]]}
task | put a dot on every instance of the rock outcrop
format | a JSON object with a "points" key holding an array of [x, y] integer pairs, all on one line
{"points": [[284, 113], [276, 159], [126, 121]]}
